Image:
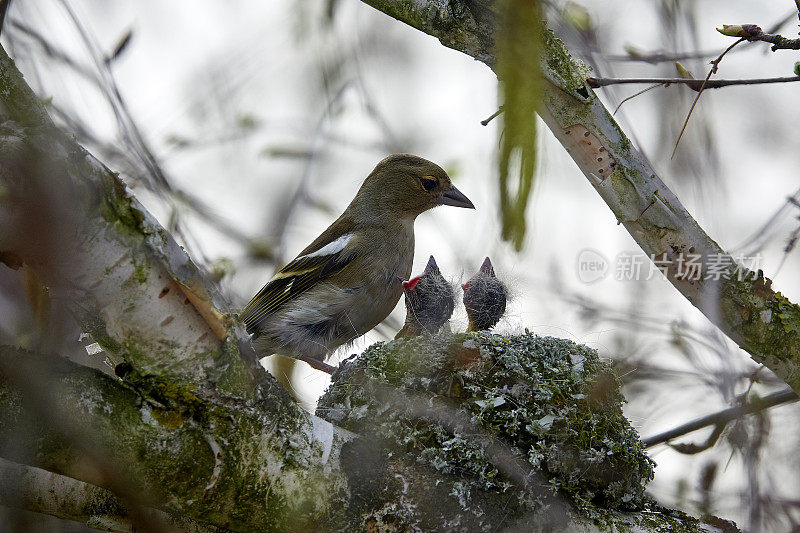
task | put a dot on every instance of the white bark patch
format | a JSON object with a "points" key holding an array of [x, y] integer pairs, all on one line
{"points": [[147, 416], [130, 295], [217, 463], [322, 432], [583, 144], [89, 401]]}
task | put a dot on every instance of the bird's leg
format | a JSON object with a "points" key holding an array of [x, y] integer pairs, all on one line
{"points": [[317, 364]]}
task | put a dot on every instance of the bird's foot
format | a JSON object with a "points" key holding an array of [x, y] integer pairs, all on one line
{"points": [[317, 364]]}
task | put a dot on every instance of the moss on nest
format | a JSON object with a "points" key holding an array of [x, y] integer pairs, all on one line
{"points": [[552, 400]]}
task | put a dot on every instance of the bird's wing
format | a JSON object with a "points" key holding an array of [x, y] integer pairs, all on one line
{"points": [[314, 265]]}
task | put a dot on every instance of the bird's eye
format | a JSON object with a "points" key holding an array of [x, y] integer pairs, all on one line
{"points": [[429, 182]]}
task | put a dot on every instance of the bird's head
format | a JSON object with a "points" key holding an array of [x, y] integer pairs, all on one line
{"points": [[431, 272], [429, 298], [486, 270], [408, 185]]}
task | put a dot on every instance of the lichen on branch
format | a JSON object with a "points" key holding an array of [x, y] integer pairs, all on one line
{"points": [[553, 403]]}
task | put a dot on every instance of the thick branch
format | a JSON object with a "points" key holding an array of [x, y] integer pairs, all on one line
{"points": [[246, 467], [758, 319], [126, 279], [40, 491], [250, 468]]}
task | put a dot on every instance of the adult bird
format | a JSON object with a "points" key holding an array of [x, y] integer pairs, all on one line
{"points": [[350, 278]]}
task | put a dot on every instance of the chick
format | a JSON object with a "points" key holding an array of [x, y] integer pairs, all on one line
{"points": [[484, 298], [430, 300]]}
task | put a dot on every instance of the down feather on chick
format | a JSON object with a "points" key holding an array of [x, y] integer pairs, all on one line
{"points": [[430, 301], [485, 298]]}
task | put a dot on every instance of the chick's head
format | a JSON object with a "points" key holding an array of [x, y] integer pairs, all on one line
{"points": [[485, 298], [430, 300]]}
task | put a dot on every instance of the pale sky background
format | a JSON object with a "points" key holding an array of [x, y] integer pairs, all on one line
{"points": [[194, 66]]}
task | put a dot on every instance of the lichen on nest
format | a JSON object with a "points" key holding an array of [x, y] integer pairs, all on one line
{"points": [[553, 401]]}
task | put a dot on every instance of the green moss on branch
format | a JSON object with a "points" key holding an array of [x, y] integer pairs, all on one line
{"points": [[228, 462], [553, 401]]}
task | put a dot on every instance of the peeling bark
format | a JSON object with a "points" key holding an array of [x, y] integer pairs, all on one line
{"points": [[758, 319]]}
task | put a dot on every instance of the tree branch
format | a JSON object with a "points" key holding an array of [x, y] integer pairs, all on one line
{"points": [[246, 467], [229, 463], [692, 83], [125, 278], [40, 491], [748, 310], [721, 418], [752, 33]]}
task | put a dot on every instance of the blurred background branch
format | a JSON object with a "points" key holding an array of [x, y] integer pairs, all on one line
{"points": [[721, 418]]}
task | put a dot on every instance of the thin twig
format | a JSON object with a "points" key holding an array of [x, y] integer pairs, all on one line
{"points": [[713, 70], [724, 416], [497, 113], [666, 57], [693, 84], [631, 97], [50, 51], [752, 33], [655, 58], [767, 231], [122, 44]]}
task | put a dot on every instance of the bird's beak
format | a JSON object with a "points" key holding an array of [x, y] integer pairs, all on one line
{"points": [[487, 267], [456, 198], [431, 267]]}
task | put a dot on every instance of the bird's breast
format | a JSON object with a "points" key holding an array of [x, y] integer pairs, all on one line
{"points": [[392, 263]]}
